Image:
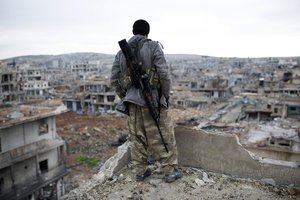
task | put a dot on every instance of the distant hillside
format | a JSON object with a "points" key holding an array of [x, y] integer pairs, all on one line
{"points": [[47, 60], [40, 59]]}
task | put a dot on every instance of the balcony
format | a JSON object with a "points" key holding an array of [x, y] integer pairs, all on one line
{"points": [[30, 186], [27, 151]]}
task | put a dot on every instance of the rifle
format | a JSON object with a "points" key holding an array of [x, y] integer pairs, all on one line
{"points": [[140, 79]]}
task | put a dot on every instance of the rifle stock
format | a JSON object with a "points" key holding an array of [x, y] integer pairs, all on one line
{"points": [[140, 80]]}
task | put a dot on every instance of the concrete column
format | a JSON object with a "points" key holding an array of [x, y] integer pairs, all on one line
{"points": [[37, 167], [24, 137], [12, 176], [284, 111], [74, 106], [60, 188]]}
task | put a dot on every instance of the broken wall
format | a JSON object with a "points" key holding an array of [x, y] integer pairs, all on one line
{"points": [[224, 154]]}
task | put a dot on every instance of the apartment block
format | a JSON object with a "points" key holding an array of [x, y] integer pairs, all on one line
{"points": [[32, 155], [93, 96]]}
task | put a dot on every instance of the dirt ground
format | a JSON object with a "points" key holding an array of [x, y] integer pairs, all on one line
{"points": [[88, 136]]}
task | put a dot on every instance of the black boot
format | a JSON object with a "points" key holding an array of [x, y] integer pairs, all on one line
{"points": [[172, 176], [142, 177]]}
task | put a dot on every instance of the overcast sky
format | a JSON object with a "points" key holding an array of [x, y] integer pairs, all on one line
{"points": [[228, 28]]}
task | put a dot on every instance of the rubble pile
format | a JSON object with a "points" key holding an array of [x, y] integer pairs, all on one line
{"points": [[195, 184]]}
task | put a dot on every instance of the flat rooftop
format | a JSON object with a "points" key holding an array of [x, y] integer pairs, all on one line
{"points": [[11, 115]]}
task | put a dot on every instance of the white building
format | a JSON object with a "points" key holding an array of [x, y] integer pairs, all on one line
{"points": [[32, 155]]}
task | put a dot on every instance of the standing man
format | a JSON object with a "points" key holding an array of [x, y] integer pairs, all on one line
{"points": [[146, 144]]}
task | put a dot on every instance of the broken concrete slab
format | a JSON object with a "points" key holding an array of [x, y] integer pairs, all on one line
{"points": [[224, 154]]}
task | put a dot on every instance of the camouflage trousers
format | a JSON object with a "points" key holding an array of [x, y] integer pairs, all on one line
{"points": [[145, 140]]}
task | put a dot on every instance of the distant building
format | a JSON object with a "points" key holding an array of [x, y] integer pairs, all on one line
{"points": [[10, 89], [93, 96], [200, 93], [32, 155], [82, 69], [33, 83], [22, 83]]}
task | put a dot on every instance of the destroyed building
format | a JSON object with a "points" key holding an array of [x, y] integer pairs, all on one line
{"points": [[23, 83], [33, 83], [283, 88], [9, 88], [32, 155], [84, 67], [92, 96], [200, 92]]}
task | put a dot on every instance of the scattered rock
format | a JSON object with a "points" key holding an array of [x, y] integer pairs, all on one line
{"points": [[155, 182], [199, 182], [97, 129], [121, 177], [206, 179], [269, 181], [128, 179]]}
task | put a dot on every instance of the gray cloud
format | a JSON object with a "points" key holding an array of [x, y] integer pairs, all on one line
{"points": [[218, 28]]}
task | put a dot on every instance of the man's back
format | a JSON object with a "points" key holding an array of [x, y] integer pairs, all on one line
{"points": [[153, 61], [150, 138]]}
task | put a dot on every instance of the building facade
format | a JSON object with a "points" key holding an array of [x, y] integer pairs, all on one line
{"points": [[32, 155]]}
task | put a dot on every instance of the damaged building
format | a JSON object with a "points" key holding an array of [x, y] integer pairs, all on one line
{"points": [[282, 88], [32, 155], [32, 81], [92, 96], [7, 87], [10, 88], [22, 83], [200, 93]]}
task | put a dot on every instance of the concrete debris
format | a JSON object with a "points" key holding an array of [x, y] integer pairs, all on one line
{"points": [[199, 182], [264, 131], [206, 179], [269, 181], [280, 162], [15, 115], [189, 187], [97, 129]]}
